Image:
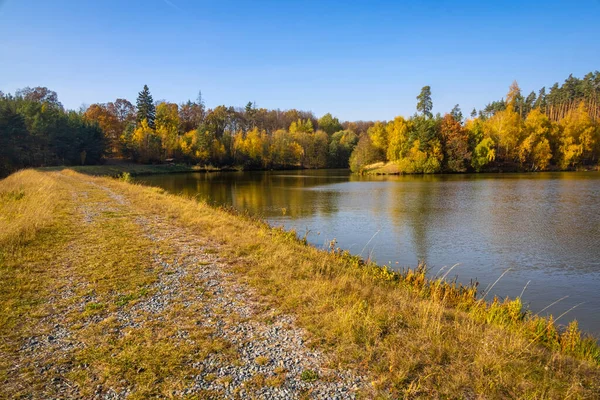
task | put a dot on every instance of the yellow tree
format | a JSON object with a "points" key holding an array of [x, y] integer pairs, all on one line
{"points": [[397, 133], [514, 92], [379, 136], [579, 137], [316, 154], [535, 152], [146, 143], [483, 154], [284, 151], [251, 149], [167, 126], [504, 128]]}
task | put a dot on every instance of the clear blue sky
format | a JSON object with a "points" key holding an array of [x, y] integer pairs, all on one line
{"points": [[355, 59]]}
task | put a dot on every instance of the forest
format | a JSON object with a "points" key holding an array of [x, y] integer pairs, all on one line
{"points": [[556, 129]]}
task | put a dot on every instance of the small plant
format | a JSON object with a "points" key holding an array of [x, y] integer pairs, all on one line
{"points": [[14, 195], [262, 360], [257, 381], [275, 381], [124, 299], [125, 177], [226, 380], [280, 370], [308, 375], [94, 306]]}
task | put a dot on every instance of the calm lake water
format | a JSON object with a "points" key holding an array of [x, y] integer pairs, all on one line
{"points": [[544, 226]]}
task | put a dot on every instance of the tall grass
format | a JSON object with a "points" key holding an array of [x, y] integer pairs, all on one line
{"points": [[417, 336], [28, 201]]}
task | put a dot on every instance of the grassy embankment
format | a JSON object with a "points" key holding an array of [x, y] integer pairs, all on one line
{"points": [[412, 336]]}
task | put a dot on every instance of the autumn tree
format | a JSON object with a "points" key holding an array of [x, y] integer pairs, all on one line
{"points": [[378, 133], [39, 94], [579, 137], [251, 148], [505, 129], [535, 152], [455, 142], [285, 152], [315, 155], [398, 135], [484, 153], [147, 146], [167, 127], [365, 153]]}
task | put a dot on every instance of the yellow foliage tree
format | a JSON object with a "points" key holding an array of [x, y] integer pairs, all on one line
{"points": [[146, 143], [535, 151], [504, 128], [167, 127], [579, 137], [379, 136], [397, 133]]}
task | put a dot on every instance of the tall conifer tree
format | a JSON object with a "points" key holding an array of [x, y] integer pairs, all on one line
{"points": [[145, 107]]}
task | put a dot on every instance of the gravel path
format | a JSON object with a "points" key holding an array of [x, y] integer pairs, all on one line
{"points": [[272, 358]]}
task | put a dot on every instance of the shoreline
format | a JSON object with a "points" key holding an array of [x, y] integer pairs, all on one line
{"points": [[134, 169]]}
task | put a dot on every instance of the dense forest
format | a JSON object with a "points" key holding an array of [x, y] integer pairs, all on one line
{"points": [[554, 130]]}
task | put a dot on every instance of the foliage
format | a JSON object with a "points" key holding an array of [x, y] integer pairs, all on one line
{"points": [[145, 107], [364, 154], [483, 154], [547, 130], [425, 104], [36, 130], [340, 148], [455, 141], [329, 124]]}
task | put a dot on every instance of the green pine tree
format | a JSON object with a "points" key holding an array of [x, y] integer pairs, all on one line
{"points": [[145, 107], [425, 104]]}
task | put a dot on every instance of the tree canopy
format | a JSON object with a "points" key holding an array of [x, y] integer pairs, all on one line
{"points": [[546, 129]]}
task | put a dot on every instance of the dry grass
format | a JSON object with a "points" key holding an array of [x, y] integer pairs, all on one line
{"points": [[415, 338], [57, 268], [381, 168]]}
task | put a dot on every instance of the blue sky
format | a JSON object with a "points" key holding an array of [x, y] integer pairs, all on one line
{"points": [[356, 59]]}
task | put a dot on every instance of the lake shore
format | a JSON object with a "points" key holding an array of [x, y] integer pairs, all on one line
{"points": [[116, 289], [393, 168]]}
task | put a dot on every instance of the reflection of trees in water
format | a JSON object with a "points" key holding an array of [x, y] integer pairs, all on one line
{"points": [[417, 204], [267, 194], [275, 195]]}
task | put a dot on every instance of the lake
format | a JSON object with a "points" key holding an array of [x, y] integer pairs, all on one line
{"points": [[545, 227]]}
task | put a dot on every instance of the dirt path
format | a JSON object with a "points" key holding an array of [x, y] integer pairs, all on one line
{"points": [[193, 299]]}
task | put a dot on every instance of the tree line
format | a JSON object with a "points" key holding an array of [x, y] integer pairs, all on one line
{"points": [[554, 130], [36, 130], [559, 130]]}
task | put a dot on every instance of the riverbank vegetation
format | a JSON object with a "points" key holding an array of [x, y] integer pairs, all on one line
{"points": [[558, 129], [74, 246]]}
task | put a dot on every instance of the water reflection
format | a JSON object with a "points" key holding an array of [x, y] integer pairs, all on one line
{"points": [[544, 226]]}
